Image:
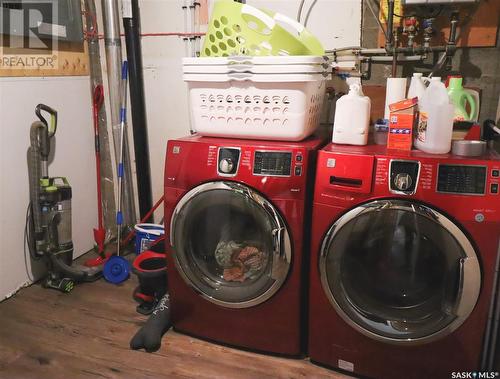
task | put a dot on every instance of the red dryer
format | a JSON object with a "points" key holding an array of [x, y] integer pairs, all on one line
{"points": [[404, 249], [236, 212]]}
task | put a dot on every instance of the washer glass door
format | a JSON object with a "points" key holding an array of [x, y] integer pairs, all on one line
{"points": [[399, 272], [231, 244]]}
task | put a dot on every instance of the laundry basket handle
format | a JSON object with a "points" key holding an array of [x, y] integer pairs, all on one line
{"points": [[258, 14], [299, 28], [303, 35]]}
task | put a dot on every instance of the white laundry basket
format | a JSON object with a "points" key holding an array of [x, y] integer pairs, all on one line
{"points": [[254, 69], [259, 61], [283, 107]]}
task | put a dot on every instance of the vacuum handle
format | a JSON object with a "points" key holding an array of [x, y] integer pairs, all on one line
{"points": [[53, 118]]}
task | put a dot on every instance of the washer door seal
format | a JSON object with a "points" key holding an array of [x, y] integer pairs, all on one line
{"points": [[399, 272], [231, 244]]}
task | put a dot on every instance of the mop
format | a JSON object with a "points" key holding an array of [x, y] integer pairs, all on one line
{"points": [[117, 268]]}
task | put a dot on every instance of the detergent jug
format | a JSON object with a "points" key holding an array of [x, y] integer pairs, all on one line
{"points": [[417, 87], [460, 98], [435, 124], [352, 117]]}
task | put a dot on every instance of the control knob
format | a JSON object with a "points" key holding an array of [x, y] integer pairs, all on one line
{"points": [[226, 165], [403, 181]]}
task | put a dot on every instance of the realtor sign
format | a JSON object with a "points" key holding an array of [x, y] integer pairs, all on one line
{"points": [[28, 35]]}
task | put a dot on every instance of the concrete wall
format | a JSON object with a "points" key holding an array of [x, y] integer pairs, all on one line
{"points": [[480, 67], [72, 156]]}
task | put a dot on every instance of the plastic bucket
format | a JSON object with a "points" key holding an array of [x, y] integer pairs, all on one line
{"points": [[145, 235], [151, 270]]}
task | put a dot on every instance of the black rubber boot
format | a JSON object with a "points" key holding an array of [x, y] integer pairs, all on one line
{"points": [[149, 336]]}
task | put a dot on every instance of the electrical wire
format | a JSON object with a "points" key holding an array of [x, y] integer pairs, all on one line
{"points": [[26, 242], [309, 12], [299, 12], [160, 34], [420, 16], [424, 15]]}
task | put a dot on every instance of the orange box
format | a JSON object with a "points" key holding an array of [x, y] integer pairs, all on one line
{"points": [[403, 118]]}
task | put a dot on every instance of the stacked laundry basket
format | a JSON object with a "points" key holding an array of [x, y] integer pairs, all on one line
{"points": [[261, 75], [268, 97]]}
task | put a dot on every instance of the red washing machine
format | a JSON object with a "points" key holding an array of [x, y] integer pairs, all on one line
{"points": [[237, 215], [403, 256]]}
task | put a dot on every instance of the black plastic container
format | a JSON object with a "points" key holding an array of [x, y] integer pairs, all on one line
{"points": [[151, 269]]}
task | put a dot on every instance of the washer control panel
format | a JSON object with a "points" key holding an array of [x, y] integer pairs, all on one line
{"points": [[228, 160], [462, 179], [273, 163], [403, 176]]}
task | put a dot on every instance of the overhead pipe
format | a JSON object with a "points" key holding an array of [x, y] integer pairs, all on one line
{"points": [[186, 32], [390, 26], [405, 58], [192, 14], [113, 48], [415, 50], [452, 40], [197, 39], [394, 68], [132, 26]]}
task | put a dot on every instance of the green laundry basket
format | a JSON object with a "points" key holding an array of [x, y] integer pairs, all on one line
{"points": [[240, 29]]}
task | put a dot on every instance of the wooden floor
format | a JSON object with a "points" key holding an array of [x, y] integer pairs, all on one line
{"points": [[85, 334]]}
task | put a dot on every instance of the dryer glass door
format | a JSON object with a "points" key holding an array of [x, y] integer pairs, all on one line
{"points": [[230, 244], [399, 272]]}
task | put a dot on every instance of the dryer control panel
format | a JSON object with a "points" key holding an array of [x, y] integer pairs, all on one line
{"points": [[467, 188], [272, 163]]}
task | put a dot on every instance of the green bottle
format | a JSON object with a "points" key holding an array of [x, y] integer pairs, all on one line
{"points": [[460, 97]]}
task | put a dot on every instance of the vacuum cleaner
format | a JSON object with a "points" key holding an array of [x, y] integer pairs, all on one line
{"points": [[48, 219]]}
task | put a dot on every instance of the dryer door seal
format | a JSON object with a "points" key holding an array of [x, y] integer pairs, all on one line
{"points": [[399, 272], [231, 244]]}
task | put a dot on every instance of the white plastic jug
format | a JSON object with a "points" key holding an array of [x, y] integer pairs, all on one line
{"points": [[395, 90], [352, 117], [417, 87], [435, 124]]}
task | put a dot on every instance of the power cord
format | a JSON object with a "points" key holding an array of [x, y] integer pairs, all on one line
{"points": [[29, 230], [28, 234]]}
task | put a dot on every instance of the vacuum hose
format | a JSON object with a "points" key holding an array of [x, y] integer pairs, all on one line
{"points": [[34, 174]]}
